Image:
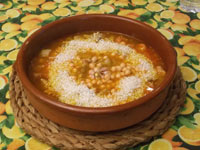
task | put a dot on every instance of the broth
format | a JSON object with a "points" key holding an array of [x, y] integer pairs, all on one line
{"points": [[97, 69]]}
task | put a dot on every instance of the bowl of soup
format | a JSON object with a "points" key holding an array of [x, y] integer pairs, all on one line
{"points": [[96, 72]]}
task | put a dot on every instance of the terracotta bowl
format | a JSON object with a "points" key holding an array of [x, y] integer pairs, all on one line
{"points": [[96, 119]]}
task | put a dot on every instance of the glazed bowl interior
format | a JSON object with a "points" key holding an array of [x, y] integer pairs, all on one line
{"points": [[82, 23]]}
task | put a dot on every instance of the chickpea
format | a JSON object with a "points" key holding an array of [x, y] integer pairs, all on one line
{"points": [[118, 75], [96, 74], [91, 65], [102, 86], [127, 72], [107, 76], [91, 76], [71, 64], [122, 65], [118, 68], [122, 57], [91, 72], [96, 69], [99, 65], [74, 70], [99, 82], [113, 69], [94, 59], [89, 84], [113, 53], [122, 74], [94, 82], [87, 80], [112, 76], [105, 57]]}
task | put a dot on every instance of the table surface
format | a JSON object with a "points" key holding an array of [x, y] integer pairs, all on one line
{"points": [[20, 18]]}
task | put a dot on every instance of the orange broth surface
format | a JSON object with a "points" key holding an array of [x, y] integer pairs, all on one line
{"points": [[100, 71]]}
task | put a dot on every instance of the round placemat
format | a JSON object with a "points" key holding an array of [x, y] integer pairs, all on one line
{"points": [[53, 134]]}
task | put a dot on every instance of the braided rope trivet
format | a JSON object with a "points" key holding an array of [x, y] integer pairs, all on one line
{"points": [[67, 139]]}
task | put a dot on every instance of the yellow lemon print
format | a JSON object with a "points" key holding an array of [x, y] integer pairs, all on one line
{"points": [[106, 8], [7, 95], [6, 70], [2, 108], [151, 1], [180, 18], [10, 27], [15, 144], [128, 13], [8, 44], [29, 17], [167, 14], [14, 132], [198, 15], [30, 25], [62, 12], [179, 51], [121, 3], [185, 39], [61, 5], [157, 17], [29, 8], [2, 118], [153, 23], [196, 66], [179, 27], [85, 3], [138, 2], [169, 35], [12, 34], [35, 2], [189, 107], [197, 37], [169, 134], [168, 3], [193, 93], [1, 36], [160, 143], [33, 144], [94, 11], [154, 7], [190, 136], [3, 18], [188, 74], [8, 108], [59, 1], [45, 16], [195, 24], [197, 85], [197, 118], [182, 59], [6, 6], [2, 59], [3, 81], [49, 6], [20, 6], [192, 48], [98, 2], [139, 11], [13, 13]]}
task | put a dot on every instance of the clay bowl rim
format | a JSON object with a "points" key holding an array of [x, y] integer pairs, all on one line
{"points": [[90, 110]]}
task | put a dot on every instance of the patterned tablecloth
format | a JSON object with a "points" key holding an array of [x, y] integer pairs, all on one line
{"points": [[20, 18]]}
